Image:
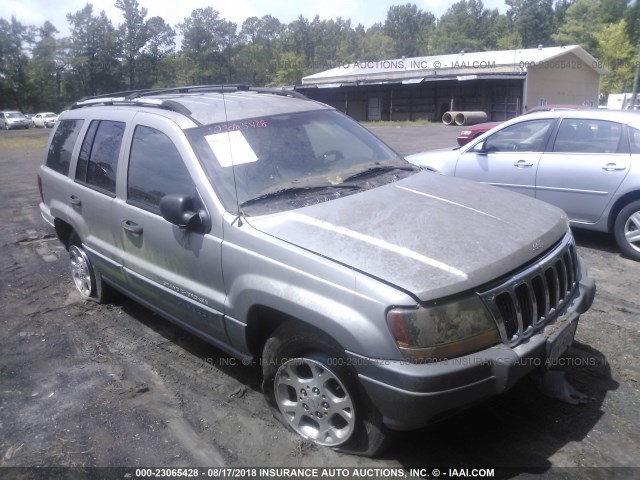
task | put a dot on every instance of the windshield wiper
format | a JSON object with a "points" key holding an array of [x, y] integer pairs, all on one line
{"points": [[378, 169], [292, 190]]}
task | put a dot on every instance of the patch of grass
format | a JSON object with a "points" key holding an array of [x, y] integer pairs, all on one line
{"points": [[22, 142], [399, 123]]}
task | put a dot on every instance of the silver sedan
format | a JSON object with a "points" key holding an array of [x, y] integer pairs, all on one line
{"points": [[585, 162]]}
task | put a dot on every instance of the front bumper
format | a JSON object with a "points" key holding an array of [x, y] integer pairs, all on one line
{"points": [[15, 125], [410, 395]]}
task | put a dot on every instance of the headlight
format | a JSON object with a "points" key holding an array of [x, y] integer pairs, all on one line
{"points": [[443, 331], [465, 133]]}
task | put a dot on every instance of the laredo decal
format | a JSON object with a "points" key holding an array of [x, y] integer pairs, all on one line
{"points": [[186, 293]]}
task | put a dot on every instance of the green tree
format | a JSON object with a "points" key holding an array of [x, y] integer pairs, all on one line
{"points": [[467, 25], [256, 59], [300, 39], [533, 20], [617, 53], [632, 16], [560, 11], [510, 41], [134, 34], [409, 27], [94, 51], [377, 45], [291, 69], [582, 23], [206, 44], [160, 44], [15, 40], [611, 11], [44, 72]]}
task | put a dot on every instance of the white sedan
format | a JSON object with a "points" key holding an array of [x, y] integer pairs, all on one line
{"points": [[44, 120]]}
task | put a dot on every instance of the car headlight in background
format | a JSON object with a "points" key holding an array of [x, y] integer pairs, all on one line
{"points": [[444, 331], [465, 133]]}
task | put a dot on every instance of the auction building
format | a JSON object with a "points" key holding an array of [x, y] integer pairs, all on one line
{"points": [[503, 84]]}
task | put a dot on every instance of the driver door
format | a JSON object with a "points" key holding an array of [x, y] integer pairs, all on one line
{"points": [[509, 158], [175, 270]]}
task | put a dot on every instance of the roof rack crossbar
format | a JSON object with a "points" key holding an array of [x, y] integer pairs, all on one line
{"points": [[120, 101], [279, 91], [190, 89]]}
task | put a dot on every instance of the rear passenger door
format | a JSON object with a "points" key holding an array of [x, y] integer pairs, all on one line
{"points": [[169, 268], [92, 194], [584, 168]]}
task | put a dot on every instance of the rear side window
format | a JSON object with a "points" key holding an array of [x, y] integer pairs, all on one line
{"points": [[62, 143], [98, 158], [155, 170], [578, 135], [634, 139]]}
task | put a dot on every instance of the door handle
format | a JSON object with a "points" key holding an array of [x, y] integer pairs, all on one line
{"points": [[73, 200], [523, 163], [131, 227], [610, 167]]}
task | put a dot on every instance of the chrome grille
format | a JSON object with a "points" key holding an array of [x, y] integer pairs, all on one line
{"points": [[533, 296]]}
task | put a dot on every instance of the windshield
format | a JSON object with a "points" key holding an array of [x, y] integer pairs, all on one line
{"points": [[16, 115], [320, 154]]}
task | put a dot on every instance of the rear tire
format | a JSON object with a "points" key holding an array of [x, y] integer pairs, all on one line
{"points": [[87, 280], [627, 230], [314, 393]]}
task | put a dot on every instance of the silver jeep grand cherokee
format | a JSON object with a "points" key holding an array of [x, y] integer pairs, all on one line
{"points": [[375, 296]]}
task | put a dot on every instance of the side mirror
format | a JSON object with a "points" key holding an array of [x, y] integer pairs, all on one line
{"points": [[479, 148], [180, 211]]}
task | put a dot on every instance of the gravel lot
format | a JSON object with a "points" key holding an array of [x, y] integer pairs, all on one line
{"points": [[89, 385]]}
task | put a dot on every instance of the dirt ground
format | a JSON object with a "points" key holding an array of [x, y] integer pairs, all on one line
{"points": [[88, 385]]}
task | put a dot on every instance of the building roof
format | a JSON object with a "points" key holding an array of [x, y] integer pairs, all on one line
{"points": [[459, 66]]}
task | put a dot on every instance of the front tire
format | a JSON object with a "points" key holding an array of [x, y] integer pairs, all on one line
{"points": [[314, 393], [627, 230]]}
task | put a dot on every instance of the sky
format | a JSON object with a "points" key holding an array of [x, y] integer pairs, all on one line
{"points": [[366, 12]]}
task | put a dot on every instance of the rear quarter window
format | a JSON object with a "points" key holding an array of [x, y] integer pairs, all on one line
{"points": [[62, 143], [634, 140]]}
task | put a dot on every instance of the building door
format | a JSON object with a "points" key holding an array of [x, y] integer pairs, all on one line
{"points": [[374, 109]]}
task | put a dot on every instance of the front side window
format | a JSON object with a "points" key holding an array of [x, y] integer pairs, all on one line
{"points": [[522, 137], [288, 161], [155, 170], [582, 135], [98, 159], [62, 143]]}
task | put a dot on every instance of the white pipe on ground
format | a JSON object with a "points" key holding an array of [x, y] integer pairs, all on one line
{"points": [[469, 118]]}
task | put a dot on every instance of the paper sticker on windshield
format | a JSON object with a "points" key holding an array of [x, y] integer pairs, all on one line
{"points": [[231, 148]]}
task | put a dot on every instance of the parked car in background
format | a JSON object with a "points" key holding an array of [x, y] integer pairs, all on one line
{"points": [[585, 162], [276, 228], [45, 119], [13, 119], [474, 131]]}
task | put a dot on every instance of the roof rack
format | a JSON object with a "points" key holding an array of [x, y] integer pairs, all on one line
{"points": [[129, 95], [144, 97]]}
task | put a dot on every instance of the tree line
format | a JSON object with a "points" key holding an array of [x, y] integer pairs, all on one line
{"points": [[40, 70]]}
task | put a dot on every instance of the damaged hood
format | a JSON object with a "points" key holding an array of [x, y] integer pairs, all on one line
{"points": [[428, 234]]}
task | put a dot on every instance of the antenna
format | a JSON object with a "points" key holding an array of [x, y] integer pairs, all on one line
{"points": [[233, 167]]}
